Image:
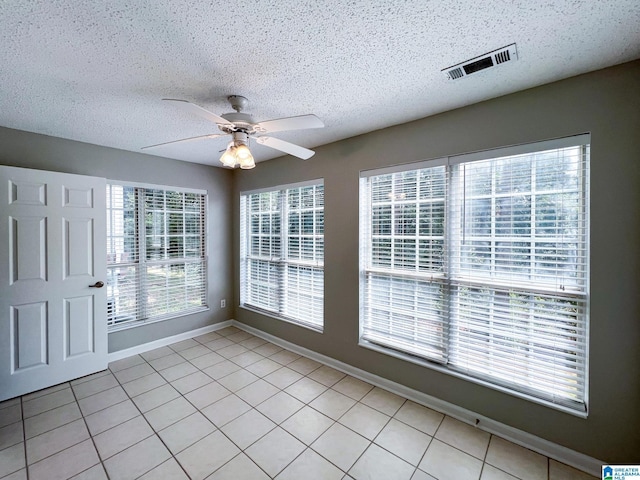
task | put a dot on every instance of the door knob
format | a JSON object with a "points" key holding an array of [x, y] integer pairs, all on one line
{"points": [[97, 285]]}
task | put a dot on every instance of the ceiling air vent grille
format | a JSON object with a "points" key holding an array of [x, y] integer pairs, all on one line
{"points": [[502, 57], [456, 73], [488, 60]]}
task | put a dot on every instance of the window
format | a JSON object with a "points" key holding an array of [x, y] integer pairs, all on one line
{"points": [[282, 252], [156, 259], [479, 263]]}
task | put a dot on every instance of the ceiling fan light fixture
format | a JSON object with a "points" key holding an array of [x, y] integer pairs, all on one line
{"points": [[246, 161], [242, 152], [228, 158]]}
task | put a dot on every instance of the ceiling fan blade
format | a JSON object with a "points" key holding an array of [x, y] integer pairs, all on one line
{"points": [[286, 147], [289, 123], [198, 110], [190, 139]]}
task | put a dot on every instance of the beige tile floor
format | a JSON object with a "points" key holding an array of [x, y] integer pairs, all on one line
{"points": [[228, 405]]}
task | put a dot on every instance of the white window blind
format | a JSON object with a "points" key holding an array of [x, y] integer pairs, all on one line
{"points": [[282, 252], [481, 265], [156, 259], [405, 268]]}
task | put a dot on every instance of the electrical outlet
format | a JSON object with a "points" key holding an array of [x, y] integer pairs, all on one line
{"points": [[223, 303]]}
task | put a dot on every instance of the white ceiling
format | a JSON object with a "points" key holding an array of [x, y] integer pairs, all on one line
{"points": [[96, 71]]}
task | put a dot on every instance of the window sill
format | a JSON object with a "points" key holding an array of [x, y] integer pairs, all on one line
{"points": [[141, 323], [313, 328], [439, 368]]}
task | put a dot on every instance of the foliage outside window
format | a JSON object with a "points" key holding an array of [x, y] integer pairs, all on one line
{"points": [[282, 252], [156, 259], [479, 263]]}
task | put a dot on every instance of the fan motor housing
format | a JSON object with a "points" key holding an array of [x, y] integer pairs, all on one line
{"points": [[242, 121]]}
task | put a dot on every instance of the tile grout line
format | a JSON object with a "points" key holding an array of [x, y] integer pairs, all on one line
{"points": [[337, 421], [131, 398], [120, 384], [484, 459], [277, 425], [24, 438], [241, 368], [430, 441], [197, 409], [27, 464], [86, 425], [172, 456], [371, 442], [97, 411], [242, 450], [432, 437]]}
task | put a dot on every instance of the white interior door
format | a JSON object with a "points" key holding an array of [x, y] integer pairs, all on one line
{"points": [[53, 325]]}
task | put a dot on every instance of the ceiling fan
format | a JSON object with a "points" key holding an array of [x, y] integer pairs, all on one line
{"points": [[241, 127]]}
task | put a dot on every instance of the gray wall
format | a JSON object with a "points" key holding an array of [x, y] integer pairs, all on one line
{"points": [[606, 104], [23, 149]]}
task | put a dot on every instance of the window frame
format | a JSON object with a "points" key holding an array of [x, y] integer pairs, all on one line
{"points": [[282, 262], [365, 237], [142, 262]]}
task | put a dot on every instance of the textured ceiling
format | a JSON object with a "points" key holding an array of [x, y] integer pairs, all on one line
{"points": [[97, 71]]}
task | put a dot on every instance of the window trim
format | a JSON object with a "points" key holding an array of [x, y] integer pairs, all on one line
{"points": [[478, 381], [283, 262], [142, 248], [450, 161], [267, 313], [153, 186]]}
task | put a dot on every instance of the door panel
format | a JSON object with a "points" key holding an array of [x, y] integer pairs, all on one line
{"points": [[53, 326], [29, 335], [78, 247], [79, 319], [78, 197], [27, 193], [27, 248]]}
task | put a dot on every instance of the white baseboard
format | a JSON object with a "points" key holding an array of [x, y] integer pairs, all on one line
{"points": [[552, 450], [145, 347]]}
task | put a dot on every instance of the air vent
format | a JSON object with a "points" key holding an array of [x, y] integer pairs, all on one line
{"points": [[488, 60], [502, 56], [456, 73]]}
